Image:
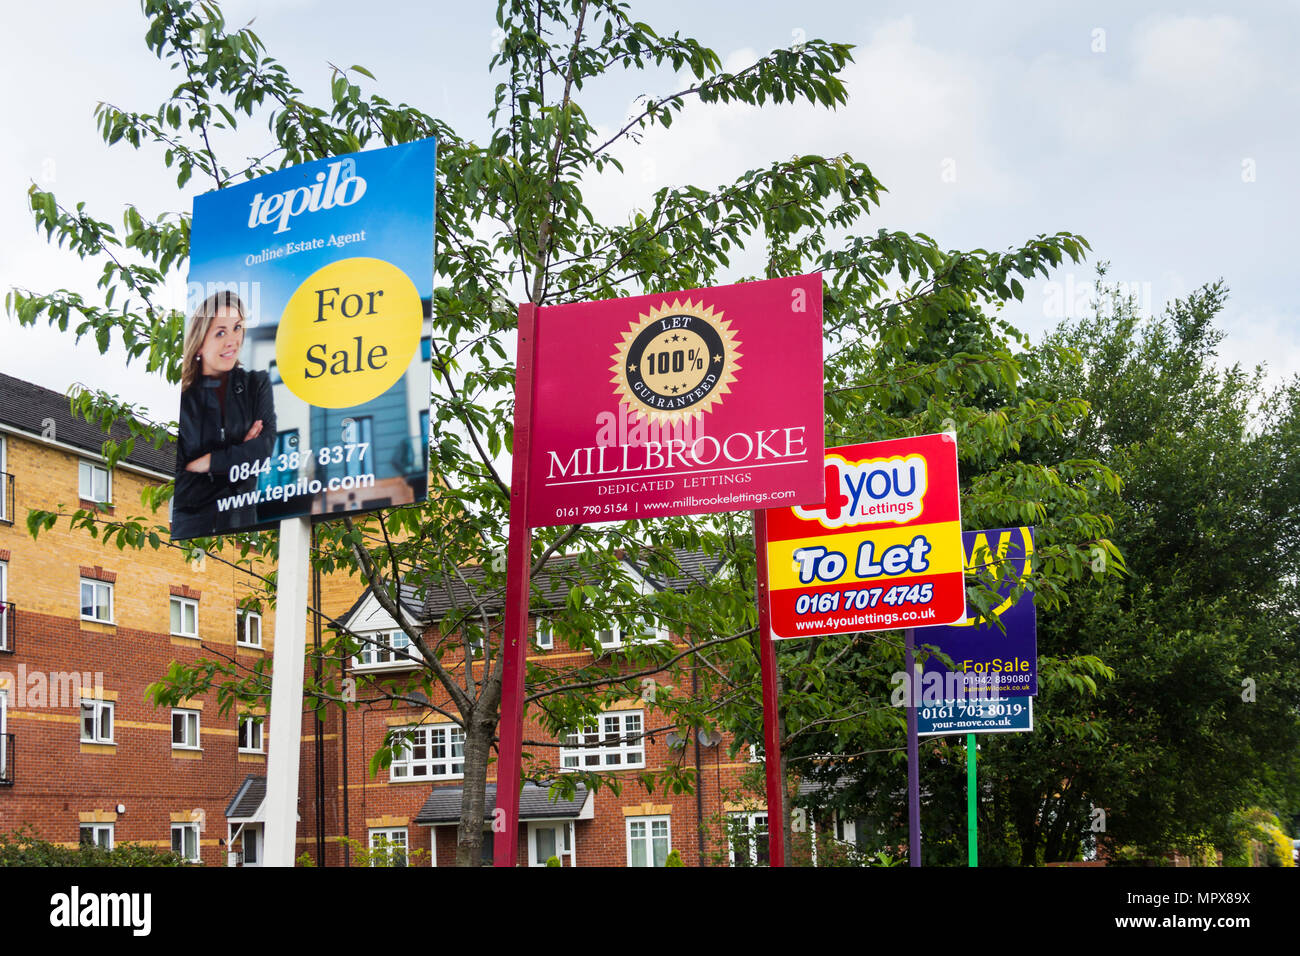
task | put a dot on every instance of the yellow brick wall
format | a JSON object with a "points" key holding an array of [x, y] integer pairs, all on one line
{"points": [[45, 575]]}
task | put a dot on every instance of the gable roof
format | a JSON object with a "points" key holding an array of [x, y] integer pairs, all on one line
{"points": [[407, 600], [27, 408], [247, 799]]}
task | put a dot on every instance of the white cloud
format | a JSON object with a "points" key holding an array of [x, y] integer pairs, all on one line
{"points": [[919, 117], [1201, 65]]}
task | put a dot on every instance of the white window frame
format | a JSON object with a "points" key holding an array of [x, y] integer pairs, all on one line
{"points": [[98, 710], [396, 837], [86, 474], [612, 743], [617, 640], [94, 584], [4, 732], [543, 634], [5, 612], [184, 604], [183, 829], [4, 497], [407, 764], [564, 840], [188, 723], [256, 733], [243, 628], [251, 835], [648, 836], [752, 827], [380, 651], [96, 831]]}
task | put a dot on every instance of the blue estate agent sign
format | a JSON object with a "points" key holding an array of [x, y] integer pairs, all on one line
{"points": [[982, 654], [305, 381], [1007, 715]]}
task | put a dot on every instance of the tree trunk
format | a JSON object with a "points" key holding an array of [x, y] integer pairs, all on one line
{"points": [[473, 807]]}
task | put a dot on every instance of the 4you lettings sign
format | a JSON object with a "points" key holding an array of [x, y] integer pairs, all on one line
{"points": [[884, 551]]}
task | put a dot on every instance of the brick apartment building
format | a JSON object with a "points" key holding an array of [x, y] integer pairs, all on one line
{"points": [[416, 801], [91, 758], [86, 628]]}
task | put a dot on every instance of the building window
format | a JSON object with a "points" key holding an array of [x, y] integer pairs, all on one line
{"points": [[648, 841], [383, 648], [4, 485], [93, 483], [429, 752], [248, 629], [185, 729], [6, 609], [250, 735], [97, 834], [185, 617], [96, 722], [185, 841], [388, 847], [360, 431], [4, 738], [96, 601], [543, 636], [613, 741], [846, 831], [747, 839], [612, 638]]}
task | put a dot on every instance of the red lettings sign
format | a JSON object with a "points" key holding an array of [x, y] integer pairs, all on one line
{"points": [[690, 402], [883, 552]]}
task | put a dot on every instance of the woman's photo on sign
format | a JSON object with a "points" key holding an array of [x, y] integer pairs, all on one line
{"points": [[227, 424]]}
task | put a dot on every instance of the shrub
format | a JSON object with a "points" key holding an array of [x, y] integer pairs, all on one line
{"points": [[22, 847]]}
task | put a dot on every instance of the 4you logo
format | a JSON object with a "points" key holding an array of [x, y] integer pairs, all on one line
{"points": [[869, 492]]}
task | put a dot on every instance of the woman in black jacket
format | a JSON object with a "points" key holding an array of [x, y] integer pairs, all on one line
{"points": [[227, 421]]}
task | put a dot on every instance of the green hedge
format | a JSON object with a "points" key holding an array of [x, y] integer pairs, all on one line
{"points": [[23, 847]]}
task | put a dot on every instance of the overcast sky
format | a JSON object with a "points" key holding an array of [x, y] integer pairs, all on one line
{"points": [[1167, 136]]}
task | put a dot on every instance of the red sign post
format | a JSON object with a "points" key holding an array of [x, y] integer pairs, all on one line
{"points": [[692, 402]]}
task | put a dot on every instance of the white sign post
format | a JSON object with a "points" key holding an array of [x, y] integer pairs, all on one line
{"points": [[286, 692]]}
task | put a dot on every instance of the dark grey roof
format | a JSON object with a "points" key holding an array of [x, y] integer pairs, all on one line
{"points": [[558, 575], [247, 798], [26, 407], [535, 803], [686, 569]]}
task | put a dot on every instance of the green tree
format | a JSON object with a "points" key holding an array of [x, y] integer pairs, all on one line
{"points": [[1201, 718], [512, 216]]}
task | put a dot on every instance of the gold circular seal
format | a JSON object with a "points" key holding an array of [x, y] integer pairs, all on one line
{"points": [[676, 361]]}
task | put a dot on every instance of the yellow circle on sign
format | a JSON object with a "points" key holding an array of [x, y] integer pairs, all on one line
{"points": [[348, 332]]}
